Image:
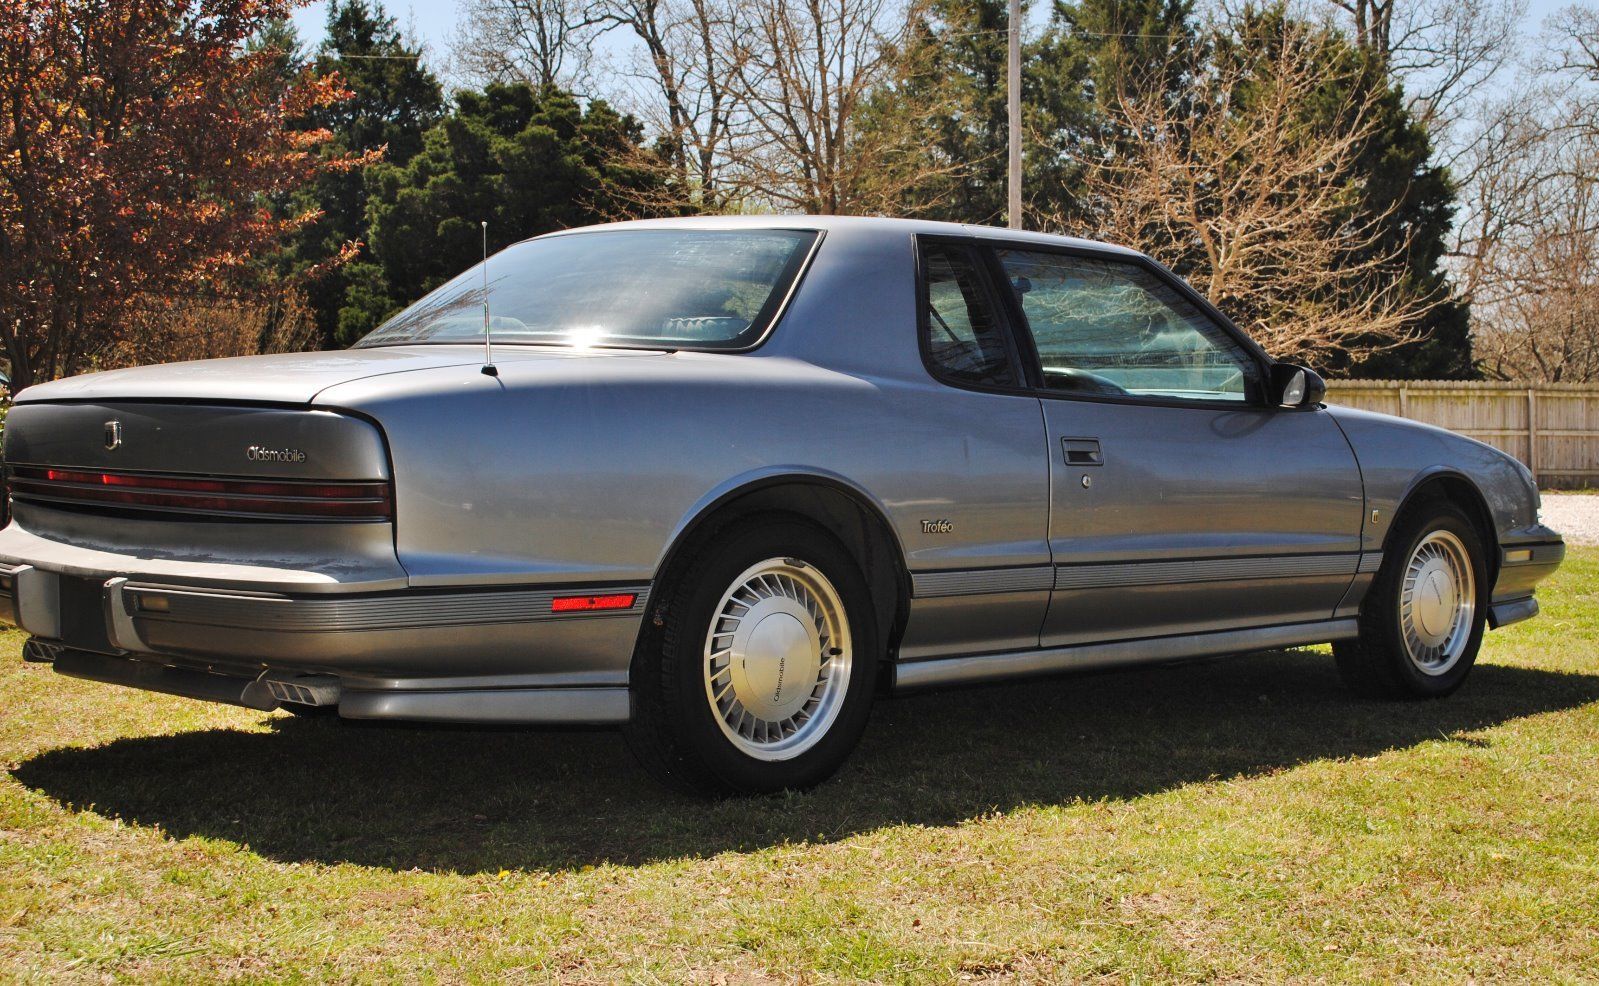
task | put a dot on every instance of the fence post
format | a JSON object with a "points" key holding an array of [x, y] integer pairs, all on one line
{"points": [[1532, 433], [1404, 402]]}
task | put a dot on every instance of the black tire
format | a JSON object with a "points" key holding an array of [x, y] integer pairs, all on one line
{"points": [[1378, 664], [675, 732]]}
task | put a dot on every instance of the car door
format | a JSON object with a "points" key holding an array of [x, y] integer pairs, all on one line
{"points": [[1179, 501], [980, 565]]}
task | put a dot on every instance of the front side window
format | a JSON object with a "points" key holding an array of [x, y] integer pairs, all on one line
{"points": [[961, 334], [647, 288], [1109, 328]]}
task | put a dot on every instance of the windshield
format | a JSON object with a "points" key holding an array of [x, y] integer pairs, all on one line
{"points": [[652, 288]]}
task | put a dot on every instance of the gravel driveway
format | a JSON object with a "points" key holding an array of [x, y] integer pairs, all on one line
{"points": [[1575, 515]]}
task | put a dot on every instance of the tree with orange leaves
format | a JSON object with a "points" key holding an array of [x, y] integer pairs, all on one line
{"points": [[141, 152]]}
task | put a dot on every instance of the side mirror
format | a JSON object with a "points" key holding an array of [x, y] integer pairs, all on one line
{"points": [[1297, 386]]}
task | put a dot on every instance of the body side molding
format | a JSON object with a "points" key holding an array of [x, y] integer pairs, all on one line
{"points": [[1118, 574], [1013, 664], [1102, 575], [976, 581]]}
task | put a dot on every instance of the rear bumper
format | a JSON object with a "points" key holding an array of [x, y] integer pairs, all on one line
{"points": [[491, 655], [416, 701]]}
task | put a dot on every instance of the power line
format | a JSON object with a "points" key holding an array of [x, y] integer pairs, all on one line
{"points": [[340, 56]]}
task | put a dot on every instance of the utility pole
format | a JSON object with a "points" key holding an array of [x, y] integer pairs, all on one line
{"points": [[1013, 73]]}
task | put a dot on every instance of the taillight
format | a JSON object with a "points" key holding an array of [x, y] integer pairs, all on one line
{"points": [[238, 497]]}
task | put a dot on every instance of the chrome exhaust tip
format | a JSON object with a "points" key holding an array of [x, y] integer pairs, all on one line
{"points": [[302, 689], [37, 651]]}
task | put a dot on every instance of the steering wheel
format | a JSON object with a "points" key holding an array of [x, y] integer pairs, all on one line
{"points": [[1071, 378]]}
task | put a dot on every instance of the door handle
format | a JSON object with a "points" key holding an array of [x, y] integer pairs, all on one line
{"points": [[1082, 452]]}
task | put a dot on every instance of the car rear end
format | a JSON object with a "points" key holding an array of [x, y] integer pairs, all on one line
{"points": [[170, 534], [193, 532]]}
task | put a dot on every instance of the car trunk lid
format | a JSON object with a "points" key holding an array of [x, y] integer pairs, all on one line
{"points": [[287, 378]]}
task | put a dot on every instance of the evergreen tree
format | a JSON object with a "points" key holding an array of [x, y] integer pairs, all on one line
{"points": [[288, 56], [527, 161], [953, 81], [395, 99], [1093, 50], [953, 87], [1418, 199]]}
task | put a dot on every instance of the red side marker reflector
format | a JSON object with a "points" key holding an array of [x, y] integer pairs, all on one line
{"points": [[584, 604]]}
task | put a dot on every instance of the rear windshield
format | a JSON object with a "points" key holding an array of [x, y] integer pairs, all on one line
{"points": [[655, 288]]}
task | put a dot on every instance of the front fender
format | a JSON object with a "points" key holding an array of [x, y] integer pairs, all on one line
{"points": [[1398, 456]]}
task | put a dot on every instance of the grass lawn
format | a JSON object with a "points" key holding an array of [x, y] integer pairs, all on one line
{"points": [[1242, 819]]}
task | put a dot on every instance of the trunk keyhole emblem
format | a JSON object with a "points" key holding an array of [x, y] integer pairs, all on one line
{"points": [[113, 434]]}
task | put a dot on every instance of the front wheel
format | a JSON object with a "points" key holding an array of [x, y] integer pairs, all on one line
{"points": [[1422, 621], [760, 677]]}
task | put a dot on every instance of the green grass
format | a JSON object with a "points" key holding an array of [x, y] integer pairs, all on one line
{"points": [[1241, 819]]}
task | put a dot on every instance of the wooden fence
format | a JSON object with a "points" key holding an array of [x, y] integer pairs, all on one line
{"points": [[1552, 427]]}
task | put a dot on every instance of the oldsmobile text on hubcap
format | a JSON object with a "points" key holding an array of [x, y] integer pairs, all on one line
{"points": [[777, 659], [1437, 603]]}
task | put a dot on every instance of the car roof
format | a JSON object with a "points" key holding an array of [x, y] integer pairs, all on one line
{"points": [[859, 225]]}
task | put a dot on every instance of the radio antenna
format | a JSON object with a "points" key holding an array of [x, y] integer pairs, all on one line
{"points": [[489, 369]]}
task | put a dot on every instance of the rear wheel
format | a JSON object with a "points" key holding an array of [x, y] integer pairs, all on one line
{"points": [[1422, 622], [760, 677]]}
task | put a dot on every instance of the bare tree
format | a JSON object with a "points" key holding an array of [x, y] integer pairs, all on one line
{"points": [[674, 73], [1229, 182], [684, 72], [753, 104], [805, 71], [1527, 256], [1571, 58], [1508, 162], [540, 42], [208, 325], [1446, 52], [1541, 320], [1576, 30]]}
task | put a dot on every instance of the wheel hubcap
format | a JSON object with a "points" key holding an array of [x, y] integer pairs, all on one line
{"points": [[1437, 602], [777, 659]]}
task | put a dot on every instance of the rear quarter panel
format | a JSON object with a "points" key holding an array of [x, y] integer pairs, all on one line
{"points": [[586, 469], [590, 478]]}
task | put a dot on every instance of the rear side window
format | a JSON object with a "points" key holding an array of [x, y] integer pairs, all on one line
{"points": [[961, 334]]}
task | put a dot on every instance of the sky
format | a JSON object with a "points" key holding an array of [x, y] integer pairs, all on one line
{"points": [[433, 22]]}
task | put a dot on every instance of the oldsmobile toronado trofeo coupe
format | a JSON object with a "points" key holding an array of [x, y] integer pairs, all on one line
{"points": [[721, 481]]}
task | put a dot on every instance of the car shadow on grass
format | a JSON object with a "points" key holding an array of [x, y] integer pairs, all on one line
{"points": [[469, 800]]}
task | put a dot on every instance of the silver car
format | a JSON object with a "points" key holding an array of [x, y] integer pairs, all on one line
{"points": [[721, 481]]}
